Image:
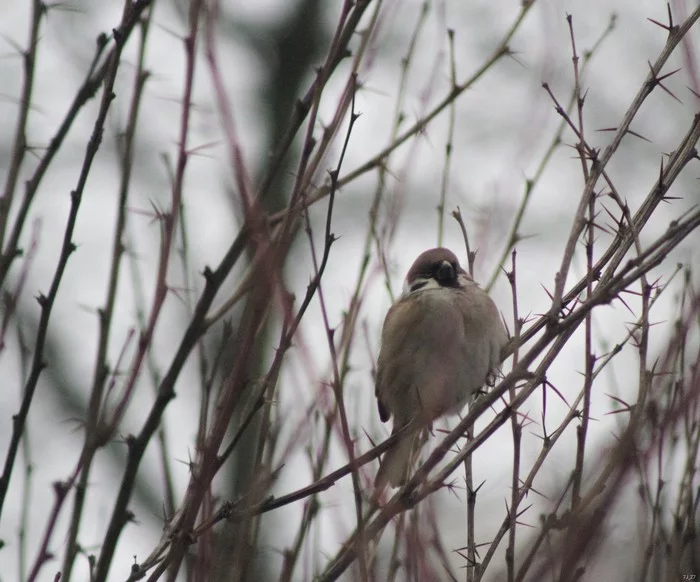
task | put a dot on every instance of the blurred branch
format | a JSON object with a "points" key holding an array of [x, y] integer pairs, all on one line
{"points": [[95, 431], [501, 50], [444, 185], [46, 302], [241, 424], [351, 13], [168, 222], [329, 238], [19, 148], [514, 235], [95, 77], [600, 162]]}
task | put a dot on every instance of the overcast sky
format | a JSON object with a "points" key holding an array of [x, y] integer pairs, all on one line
{"points": [[502, 129]]}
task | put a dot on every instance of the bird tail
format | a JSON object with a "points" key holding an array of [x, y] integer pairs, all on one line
{"points": [[398, 460]]}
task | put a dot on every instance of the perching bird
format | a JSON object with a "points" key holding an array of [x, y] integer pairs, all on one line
{"points": [[440, 342]]}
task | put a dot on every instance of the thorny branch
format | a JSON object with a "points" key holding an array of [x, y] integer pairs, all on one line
{"points": [[620, 263]]}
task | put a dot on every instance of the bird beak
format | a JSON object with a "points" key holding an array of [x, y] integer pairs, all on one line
{"points": [[445, 272]]}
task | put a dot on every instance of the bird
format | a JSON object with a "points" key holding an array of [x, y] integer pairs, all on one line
{"points": [[441, 342]]}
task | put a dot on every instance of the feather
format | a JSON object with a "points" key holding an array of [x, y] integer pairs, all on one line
{"points": [[398, 460]]}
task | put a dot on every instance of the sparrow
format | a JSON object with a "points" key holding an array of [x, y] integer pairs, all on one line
{"points": [[441, 342]]}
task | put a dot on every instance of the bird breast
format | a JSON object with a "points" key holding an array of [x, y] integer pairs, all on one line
{"points": [[438, 347]]}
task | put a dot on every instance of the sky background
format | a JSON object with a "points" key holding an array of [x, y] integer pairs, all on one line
{"points": [[502, 129]]}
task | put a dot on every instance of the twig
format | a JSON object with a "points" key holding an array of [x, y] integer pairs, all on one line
{"points": [[19, 147], [46, 302], [95, 77], [448, 145], [601, 162], [329, 238], [93, 438], [516, 429]]}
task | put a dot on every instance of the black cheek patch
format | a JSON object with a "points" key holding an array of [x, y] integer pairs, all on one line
{"points": [[418, 285]]}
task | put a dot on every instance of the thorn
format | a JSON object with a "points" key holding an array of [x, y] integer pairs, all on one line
{"points": [[657, 81]]}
